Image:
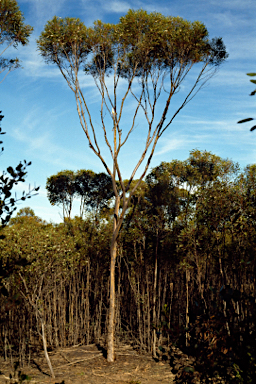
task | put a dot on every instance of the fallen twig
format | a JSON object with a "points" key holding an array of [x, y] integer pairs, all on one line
{"points": [[64, 357], [78, 361]]}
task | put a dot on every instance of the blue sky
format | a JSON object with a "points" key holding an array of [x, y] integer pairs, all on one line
{"points": [[41, 121]]}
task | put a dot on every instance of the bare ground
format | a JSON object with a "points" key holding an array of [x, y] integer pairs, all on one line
{"points": [[87, 365]]}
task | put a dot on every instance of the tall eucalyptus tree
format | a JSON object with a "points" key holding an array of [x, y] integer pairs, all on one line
{"points": [[157, 51]]}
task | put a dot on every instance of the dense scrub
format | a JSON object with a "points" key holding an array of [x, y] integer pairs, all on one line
{"points": [[185, 274]]}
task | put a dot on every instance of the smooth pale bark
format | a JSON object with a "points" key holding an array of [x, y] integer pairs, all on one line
{"points": [[154, 298], [112, 298], [112, 288], [45, 348], [187, 305]]}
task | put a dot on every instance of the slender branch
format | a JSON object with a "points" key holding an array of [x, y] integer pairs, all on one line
{"points": [[10, 69], [103, 101], [134, 117], [189, 96], [8, 45]]}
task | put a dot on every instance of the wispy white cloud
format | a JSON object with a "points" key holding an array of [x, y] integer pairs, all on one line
{"points": [[116, 6], [213, 134], [43, 145], [231, 19], [240, 48], [42, 10], [178, 141], [234, 4], [229, 77], [171, 145]]}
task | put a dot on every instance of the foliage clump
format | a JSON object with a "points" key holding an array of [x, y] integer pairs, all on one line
{"points": [[13, 31], [185, 273]]}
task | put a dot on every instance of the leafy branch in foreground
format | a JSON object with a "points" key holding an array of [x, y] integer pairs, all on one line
{"points": [[252, 74], [8, 180]]}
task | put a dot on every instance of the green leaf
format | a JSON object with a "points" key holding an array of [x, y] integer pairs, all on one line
{"points": [[253, 81], [253, 128], [189, 369], [23, 377], [245, 120], [251, 74], [11, 171]]}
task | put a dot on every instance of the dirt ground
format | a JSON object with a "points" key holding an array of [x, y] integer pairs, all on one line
{"points": [[87, 365]]}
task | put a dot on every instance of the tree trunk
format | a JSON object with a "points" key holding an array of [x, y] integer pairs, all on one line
{"points": [[112, 289], [45, 348], [187, 309], [154, 298], [111, 322]]}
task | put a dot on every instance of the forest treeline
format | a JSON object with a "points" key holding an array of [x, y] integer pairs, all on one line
{"points": [[185, 272]]}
